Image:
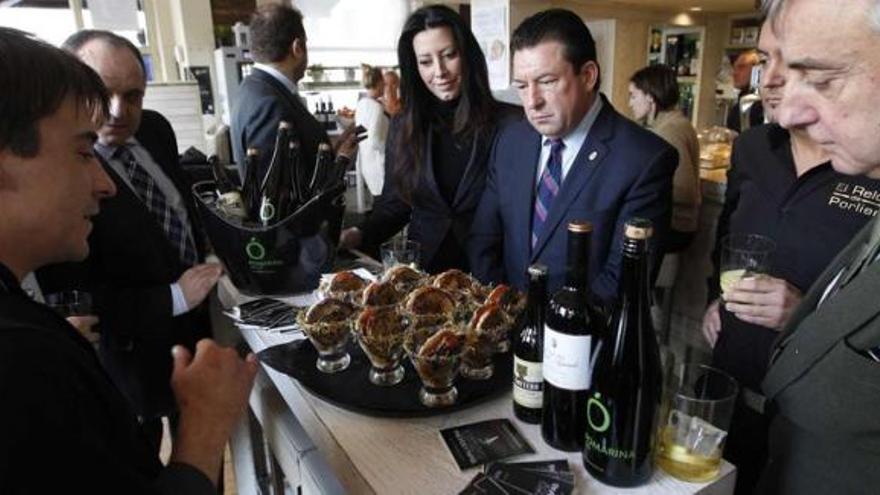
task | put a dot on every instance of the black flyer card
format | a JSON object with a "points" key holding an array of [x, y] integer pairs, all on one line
{"points": [[484, 442], [531, 482], [554, 470]]}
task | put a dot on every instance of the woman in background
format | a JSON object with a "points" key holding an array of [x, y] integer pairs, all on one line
{"points": [[438, 146], [371, 115], [653, 99], [391, 99]]}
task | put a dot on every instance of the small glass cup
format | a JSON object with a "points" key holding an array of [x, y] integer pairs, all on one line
{"points": [[742, 256], [693, 431], [476, 357], [400, 252], [330, 339], [384, 349], [437, 372]]}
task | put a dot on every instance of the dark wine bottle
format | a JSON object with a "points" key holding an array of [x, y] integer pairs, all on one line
{"points": [[528, 381], [624, 398], [572, 323], [229, 200], [275, 197], [331, 115], [250, 191], [296, 175], [324, 169]]}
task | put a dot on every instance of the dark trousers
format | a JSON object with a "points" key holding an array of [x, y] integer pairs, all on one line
{"points": [[746, 446]]}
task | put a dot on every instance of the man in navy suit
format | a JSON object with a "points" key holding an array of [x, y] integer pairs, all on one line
{"points": [[578, 160]]}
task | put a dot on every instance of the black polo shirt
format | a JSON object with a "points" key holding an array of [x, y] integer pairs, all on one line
{"points": [[811, 218]]}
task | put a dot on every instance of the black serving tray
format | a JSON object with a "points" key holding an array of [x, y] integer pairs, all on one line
{"points": [[351, 389]]}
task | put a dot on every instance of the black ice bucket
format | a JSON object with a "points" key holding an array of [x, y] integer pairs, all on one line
{"points": [[285, 258]]}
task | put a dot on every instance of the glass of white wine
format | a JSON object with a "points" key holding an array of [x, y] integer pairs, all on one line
{"points": [[694, 426], [743, 256]]}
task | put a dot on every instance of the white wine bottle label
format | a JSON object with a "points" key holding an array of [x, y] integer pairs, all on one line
{"points": [[528, 383], [567, 360]]}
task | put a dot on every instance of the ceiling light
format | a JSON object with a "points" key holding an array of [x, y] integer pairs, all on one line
{"points": [[696, 9]]}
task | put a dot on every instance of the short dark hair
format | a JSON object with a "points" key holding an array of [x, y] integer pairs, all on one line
{"points": [[77, 40], [564, 27], [36, 78], [659, 82], [273, 28]]}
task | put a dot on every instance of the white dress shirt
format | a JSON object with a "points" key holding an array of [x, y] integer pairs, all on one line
{"points": [[572, 141]]}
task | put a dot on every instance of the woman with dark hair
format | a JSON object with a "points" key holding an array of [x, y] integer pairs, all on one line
{"points": [[653, 99], [438, 146]]}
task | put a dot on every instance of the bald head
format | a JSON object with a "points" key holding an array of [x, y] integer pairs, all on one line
{"points": [[123, 75]]}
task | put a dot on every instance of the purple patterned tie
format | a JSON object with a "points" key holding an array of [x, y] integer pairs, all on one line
{"points": [[548, 188], [154, 199]]}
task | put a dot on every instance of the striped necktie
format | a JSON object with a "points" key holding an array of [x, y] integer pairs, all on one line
{"points": [[548, 188], [152, 196]]}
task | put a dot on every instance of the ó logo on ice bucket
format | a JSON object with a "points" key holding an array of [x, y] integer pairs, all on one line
{"points": [[594, 402], [267, 211], [255, 251]]}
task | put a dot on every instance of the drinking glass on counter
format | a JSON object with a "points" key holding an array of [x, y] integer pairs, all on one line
{"points": [[693, 432], [435, 353], [400, 252], [742, 256]]}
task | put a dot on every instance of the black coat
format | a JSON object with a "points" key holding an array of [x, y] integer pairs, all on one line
{"points": [[62, 409], [262, 103], [431, 218], [129, 269]]}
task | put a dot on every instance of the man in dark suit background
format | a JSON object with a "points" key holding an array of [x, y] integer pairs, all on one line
{"points": [[824, 377], [578, 160], [269, 94], [144, 268]]}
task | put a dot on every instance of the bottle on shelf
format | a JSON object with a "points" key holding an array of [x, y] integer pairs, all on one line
{"points": [[572, 325], [275, 196], [330, 116], [624, 396], [528, 381], [322, 114]]}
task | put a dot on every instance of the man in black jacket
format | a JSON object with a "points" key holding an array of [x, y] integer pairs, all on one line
{"points": [[822, 382], [269, 94], [144, 268], [69, 430]]}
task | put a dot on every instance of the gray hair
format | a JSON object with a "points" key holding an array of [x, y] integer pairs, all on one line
{"points": [[773, 8]]}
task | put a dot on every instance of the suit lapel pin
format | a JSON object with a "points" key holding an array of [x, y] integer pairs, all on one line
{"points": [[593, 154]]}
